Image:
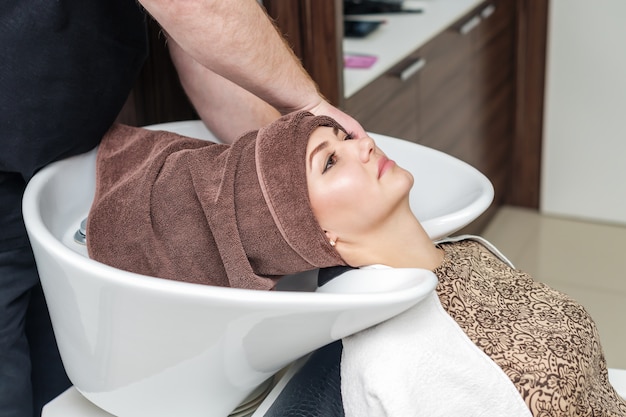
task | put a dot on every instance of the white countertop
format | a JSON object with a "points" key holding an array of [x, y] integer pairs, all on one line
{"points": [[399, 36]]}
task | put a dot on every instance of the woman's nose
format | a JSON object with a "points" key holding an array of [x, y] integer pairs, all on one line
{"points": [[366, 147]]}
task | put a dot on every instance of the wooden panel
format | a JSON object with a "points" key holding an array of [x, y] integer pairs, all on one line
{"points": [[323, 52], [287, 17], [531, 36]]}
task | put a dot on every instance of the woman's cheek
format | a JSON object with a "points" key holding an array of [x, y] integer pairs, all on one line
{"points": [[333, 203], [320, 204]]}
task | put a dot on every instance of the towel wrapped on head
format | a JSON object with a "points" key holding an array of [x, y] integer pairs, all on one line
{"points": [[181, 208]]}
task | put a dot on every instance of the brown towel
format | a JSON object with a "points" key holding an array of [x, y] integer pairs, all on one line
{"points": [[186, 209]]}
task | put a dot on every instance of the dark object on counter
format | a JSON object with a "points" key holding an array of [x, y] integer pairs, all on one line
{"points": [[353, 7], [375, 6], [371, 6], [360, 28]]}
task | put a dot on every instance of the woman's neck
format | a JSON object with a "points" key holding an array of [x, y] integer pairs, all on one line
{"points": [[400, 243]]}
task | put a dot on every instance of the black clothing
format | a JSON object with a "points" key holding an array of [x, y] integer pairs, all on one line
{"points": [[68, 66], [67, 69]]}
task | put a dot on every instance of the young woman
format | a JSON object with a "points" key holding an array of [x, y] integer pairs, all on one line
{"points": [[302, 194], [544, 341]]}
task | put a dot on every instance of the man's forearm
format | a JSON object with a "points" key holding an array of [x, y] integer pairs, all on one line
{"points": [[227, 109], [236, 40]]}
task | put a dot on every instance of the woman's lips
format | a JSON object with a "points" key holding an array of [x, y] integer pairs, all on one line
{"points": [[384, 164]]}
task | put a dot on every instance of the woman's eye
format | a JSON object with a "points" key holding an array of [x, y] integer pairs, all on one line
{"points": [[349, 136], [330, 162]]}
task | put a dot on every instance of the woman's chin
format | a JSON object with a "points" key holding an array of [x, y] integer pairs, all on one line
{"points": [[408, 179]]}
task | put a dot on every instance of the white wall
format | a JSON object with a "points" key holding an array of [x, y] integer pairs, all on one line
{"points": [[584, 150]]}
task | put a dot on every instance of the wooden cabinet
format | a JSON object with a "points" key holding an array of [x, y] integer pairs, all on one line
{"points": [[455, 94], [467, 100]]}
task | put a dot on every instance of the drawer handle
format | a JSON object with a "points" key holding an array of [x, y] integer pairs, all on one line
{"points": [[470, 25], [488, 11], [412, 69]]}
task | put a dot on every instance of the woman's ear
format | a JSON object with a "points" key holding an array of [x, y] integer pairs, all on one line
{"points": [[332, 238]]}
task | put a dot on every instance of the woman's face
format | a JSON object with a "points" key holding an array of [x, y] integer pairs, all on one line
{"points": [[353, 186]]}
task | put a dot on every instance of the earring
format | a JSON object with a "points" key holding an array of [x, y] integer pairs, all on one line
{"points": [[332, 243]]}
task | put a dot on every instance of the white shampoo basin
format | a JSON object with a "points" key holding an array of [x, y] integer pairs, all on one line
{"points": [[142, 346]]}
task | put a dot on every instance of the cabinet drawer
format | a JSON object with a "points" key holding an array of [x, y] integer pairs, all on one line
{"points": [[444, 83], [389, 105], [496, 16], [466, 64], [399, 118], [447, 55]]}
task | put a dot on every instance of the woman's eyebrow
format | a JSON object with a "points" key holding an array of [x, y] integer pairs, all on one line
{"points": [[317, 149], [322, 146]]}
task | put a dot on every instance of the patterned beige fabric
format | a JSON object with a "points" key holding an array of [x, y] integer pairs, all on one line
{"points": [[544, 341]]}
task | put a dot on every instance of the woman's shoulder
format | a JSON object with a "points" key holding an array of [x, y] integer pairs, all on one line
{"points": [[472, 244]]}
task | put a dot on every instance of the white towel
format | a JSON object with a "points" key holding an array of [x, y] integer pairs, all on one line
{"points": [[420, 363]]}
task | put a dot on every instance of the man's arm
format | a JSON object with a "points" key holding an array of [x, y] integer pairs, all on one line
{"points": [[226, 109], [236, 40]]}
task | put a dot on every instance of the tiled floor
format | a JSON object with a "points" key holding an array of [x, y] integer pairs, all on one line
{"points": [[583, 259]]}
